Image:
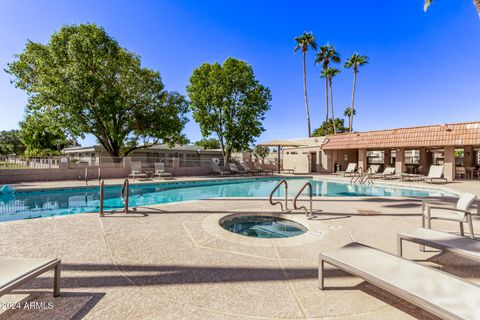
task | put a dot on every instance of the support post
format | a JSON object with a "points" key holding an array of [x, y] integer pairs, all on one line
{"points": [[278, 159]]}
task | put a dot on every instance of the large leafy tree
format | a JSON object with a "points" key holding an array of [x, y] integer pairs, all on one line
{"points": [[304, 42], [329, 74], [327, 128], [427, 3], [210, 143], [88, 84], [354, 62], [325, 56], [227, 100], [10, 143], [42, 136]]}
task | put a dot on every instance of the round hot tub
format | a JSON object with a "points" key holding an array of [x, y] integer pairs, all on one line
{"points": [[263, 226]]}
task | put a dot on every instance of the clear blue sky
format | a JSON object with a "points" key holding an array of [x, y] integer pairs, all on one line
{"points": [[424, 67]]}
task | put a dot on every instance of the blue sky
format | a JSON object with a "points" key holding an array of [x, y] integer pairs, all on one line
{"points": [[424, 67]]}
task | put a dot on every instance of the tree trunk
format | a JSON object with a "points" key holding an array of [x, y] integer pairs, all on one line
{"points": [[305, 93], [326, 99], [331, 103], [350, 125]]}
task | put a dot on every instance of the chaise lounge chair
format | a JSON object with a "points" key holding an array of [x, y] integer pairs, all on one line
{"points": [[248, 170], [160, 171], [351, 169], [137, 171], [16, 271], [437, 292], [458, 245], [216, 170], [459, 213], [435, 174], [234, 169], [388, 173], [261, 170]]}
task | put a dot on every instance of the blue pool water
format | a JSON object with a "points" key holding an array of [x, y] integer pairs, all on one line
{"points": [[34, 204], [263, 227]]}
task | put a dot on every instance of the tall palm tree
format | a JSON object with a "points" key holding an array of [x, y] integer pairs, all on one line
{"points": [[326, 55], [354, 62], [329, 74], [427, 4], [305, 42]]}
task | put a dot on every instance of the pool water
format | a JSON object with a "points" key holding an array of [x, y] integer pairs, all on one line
{"points": [[263, 227], [34, 204]]}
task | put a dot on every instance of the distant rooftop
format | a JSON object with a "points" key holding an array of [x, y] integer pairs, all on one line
{"points": [[449, 134]]}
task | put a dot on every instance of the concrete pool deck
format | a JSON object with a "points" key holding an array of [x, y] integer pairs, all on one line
{"points": [[173, 261]]}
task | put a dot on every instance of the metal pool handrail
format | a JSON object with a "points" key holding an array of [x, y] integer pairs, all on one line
{"points": [[102, 196], [357, 175], [283, 181], [125, 194], [310, 197]]}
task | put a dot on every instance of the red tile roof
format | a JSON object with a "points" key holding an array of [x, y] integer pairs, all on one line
{"points": [[452, 134]]}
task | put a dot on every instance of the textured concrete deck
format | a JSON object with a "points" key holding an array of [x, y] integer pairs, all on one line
{"points": [[174, 261]]}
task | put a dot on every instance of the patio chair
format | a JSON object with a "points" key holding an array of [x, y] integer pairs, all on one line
{"points": [[459, 213], [137, 171], [435, 174], [262, 170], [388, 173], [234, 169], [435, 291], [160, 171], [460, 172], [351, 169], [219, 172], [16, 271], [248, 170], [373, 169]]}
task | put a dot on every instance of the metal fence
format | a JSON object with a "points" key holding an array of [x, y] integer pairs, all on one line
{"points": [[96, 162], [20, 163]]}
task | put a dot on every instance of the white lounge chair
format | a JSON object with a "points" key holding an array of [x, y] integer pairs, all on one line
{"points": [[16, 271], [459, 213], [216, 170], [459, 245], [160, 171], [373, 169], [351, 169], [437, 292], [388, 173], [435, 174], [248, 170], [136, 171]]}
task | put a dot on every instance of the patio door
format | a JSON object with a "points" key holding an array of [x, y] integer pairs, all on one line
{"points": [[313, 162]]}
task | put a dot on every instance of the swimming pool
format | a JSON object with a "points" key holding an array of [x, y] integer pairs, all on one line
{"points": [[34, 204]]}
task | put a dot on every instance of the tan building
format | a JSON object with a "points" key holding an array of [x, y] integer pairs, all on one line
{"points": [[412, 150]]}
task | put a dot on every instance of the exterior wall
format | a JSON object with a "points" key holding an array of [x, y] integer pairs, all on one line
{"points": [[362, 159], [400, 160], [344, 157], [298, 162], [299, 159], [449, 163]]}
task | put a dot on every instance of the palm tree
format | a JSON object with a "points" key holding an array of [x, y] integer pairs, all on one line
{"points": [[329, 74], [354, 62], [427, 4], [326, 55], [304, 42], [349, 111]]}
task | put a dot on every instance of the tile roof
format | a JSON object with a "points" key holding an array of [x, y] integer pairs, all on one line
{"points": [[452, 134]]}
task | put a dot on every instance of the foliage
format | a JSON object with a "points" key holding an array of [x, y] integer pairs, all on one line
{"points": [[355, 62], [349, 111], [327, 128], [85, 82], [10, 143], [210, 143], [427, 3], [227, 100], [327, 54], [305, 41], [261, 152], [41, 136]]}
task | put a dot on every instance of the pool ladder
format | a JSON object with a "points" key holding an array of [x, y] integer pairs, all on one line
{"points": [[124, 194], [283, 181], [362, 177]]}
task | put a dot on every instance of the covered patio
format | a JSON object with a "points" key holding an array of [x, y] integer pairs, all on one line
{"points": [[411, 150]]}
